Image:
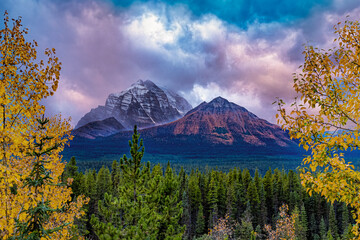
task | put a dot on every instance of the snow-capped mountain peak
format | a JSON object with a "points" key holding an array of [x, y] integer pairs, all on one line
{"points": [[143, 103]]}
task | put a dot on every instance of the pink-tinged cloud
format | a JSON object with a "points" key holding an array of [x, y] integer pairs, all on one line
{"points": [[104, 49]]}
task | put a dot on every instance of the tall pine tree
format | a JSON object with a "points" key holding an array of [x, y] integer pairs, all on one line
{"points": [[322, 228], [140, 219], [333, 223], [170, 207]]}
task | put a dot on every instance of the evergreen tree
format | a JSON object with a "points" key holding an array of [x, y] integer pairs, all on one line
{"points": [[246, 230], [268, 189], [298, 229], [115, 176], [313, 226], [262, 207], [182, 182], [277, 191], [186, 216], [293, 200], [231, 196], [109, 227], [329, 236], [78, 188], [194, 195], [246, 178], [293, 183], [79, 184], [200, 221], [70, 170], [203, 185], [304, 222], [257, 179], [332, 223], [300, 223], [91, 207], [316, 237], [253, 198], [221, 197], [322, 229], [139, 216], [240, 200], [103, 182], [78, 181], [90, 190], [212, 199], [169, 207], [344, 217]]}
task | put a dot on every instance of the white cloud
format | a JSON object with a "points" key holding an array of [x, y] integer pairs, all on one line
{"points": [[212, 90], [209, 28], [152, 30]]}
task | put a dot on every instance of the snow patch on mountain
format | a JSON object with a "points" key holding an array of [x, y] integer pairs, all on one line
{"points": [[143, 103]]}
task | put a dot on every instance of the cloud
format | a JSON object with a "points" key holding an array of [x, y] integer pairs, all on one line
{"points": [[202, 53], [212, 90]]}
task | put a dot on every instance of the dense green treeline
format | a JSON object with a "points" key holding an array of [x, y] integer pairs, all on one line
{"points": [[136, 201]]}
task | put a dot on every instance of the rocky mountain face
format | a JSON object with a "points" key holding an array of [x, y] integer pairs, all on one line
{"points": [[212, 130], [225, 123], [101, 128], [144, 104]]}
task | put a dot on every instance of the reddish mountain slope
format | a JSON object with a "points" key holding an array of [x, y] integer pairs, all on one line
{"points": [[223, 122]]}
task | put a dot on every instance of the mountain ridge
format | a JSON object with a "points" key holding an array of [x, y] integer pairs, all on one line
{"points": [[210, 130], [224, 122], [102, 128], [143, 103]]}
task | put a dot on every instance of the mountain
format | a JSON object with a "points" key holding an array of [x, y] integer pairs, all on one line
{"points": [[221, 122], [216, 130], [101, 128], [144, 104]]}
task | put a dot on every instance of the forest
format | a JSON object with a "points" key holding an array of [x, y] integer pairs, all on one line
{"points": [[134, 201]]}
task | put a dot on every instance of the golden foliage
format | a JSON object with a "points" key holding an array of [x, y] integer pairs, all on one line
{"points": [[222, 229], [285, 226], [23, 84], [326, 120]]}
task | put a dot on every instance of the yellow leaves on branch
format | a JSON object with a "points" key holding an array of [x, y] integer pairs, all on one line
{"points": [[222, 229], [23, 84], [326, 121], [285, 225]]}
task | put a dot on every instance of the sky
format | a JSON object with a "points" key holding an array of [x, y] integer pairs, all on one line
{"points": [[243, 50]]}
